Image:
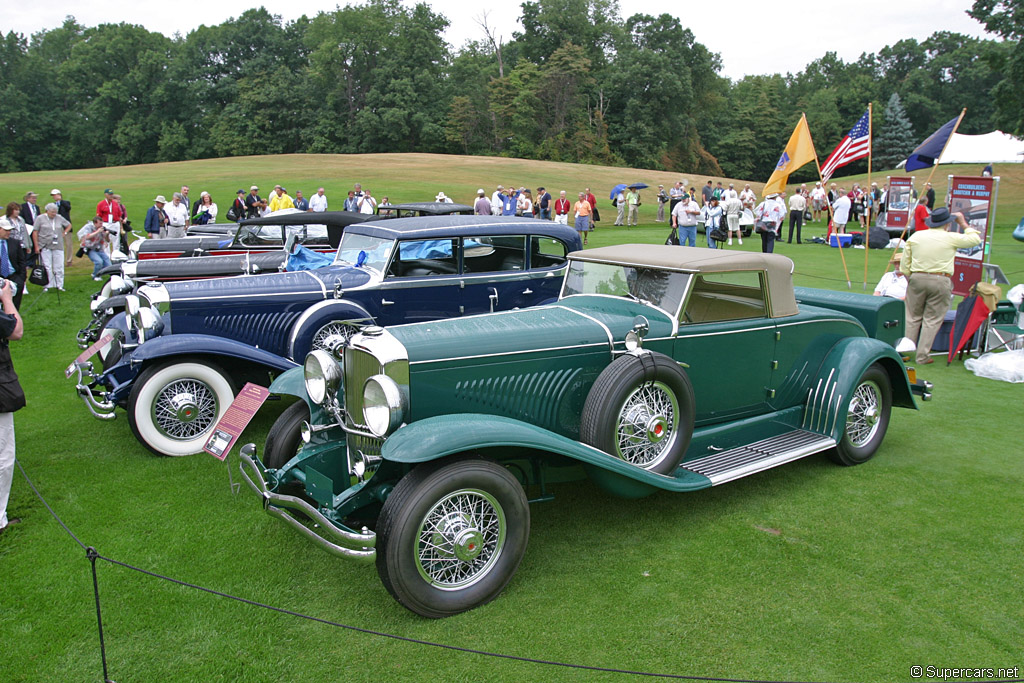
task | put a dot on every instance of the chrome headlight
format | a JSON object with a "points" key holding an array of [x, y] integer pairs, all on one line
{"points": [[120, 285], [323, 376], [150, 324], [383, 405]]}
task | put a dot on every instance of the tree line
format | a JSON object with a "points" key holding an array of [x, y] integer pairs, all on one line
{"points": [[578, 84]]}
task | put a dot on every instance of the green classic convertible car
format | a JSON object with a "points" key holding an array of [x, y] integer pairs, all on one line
{"points": [[659, 368]]}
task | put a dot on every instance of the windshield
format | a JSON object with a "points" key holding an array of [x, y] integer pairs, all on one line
{"points": [[377, 250], [661, 288]]}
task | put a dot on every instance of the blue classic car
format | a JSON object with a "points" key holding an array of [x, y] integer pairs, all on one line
{"points": [[181, 349]]}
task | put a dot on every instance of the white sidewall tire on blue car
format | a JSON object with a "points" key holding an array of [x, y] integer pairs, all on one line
{"points": [[174, 407]]}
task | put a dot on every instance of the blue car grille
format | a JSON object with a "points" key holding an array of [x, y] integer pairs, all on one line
{"points": [[268, 331]]}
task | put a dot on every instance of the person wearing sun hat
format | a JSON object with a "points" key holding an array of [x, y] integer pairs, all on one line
{"points": [[928, 264], [894, 282], [482, 206]]}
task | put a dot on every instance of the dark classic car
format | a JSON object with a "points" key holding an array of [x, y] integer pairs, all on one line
{"points": [[180, 349], [659, 368]]}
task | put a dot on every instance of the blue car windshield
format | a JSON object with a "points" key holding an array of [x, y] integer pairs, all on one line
{"points": [[662, 288], [377, 250]]}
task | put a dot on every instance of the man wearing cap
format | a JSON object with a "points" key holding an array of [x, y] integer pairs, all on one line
{"points": [[109, 210], [252, 203], [64, 209], [301, 203], [544, 203], [156, 218], [684, 219], [238, 206], [442, 198], [177, 218], [769, 214], [482, 207], [318, 202], [928, 264]]}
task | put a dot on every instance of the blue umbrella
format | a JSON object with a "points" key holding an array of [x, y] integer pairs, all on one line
{"points": [[617, 189], [638, 186]]}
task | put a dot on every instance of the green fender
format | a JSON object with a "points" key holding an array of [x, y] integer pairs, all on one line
{"points": [[838, 375], [437, 437], [290, 382]]}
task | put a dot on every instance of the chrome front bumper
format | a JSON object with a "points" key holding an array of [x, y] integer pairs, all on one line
{"points": [[324, 533], [98, 405]]}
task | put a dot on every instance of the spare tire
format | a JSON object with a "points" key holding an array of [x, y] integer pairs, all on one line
{"points": [[641, 410]]}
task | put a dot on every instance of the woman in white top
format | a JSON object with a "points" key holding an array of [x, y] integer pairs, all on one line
{"points": [[524, 205], [207, 211]]}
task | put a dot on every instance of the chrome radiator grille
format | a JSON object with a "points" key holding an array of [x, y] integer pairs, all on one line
{"points": [[364, 445], [359, 366]]}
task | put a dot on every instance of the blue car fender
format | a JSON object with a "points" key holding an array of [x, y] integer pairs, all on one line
{"points": [[838, 376], [314, 318], [206, 345]]}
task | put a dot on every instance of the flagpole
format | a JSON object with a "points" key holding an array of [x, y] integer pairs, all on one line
{"points": [[867, 230], [828, 205], [934, 167]]}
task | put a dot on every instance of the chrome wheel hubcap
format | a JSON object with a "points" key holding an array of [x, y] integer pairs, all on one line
{"points": [[460, 539], [647, 426], [864, 413], [184, 409]]}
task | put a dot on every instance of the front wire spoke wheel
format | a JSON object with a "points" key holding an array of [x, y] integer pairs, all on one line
{"points": [[460, 539], [184, 409]]}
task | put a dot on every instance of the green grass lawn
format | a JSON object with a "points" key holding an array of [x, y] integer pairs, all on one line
{"points": [[806, 572]]}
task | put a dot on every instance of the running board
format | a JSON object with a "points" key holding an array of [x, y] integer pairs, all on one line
{"points": [[758, 456]]}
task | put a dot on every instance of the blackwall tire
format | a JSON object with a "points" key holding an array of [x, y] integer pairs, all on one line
{"points": [[867, 418], [450, 537], [285, 436], [641, 410]]}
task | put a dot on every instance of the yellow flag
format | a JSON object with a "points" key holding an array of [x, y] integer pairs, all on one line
{"points": [[799, 151]]}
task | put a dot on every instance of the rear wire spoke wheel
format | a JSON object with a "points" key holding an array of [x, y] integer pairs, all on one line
{"points": [[173, 408], [451, 535], [867, 418]]}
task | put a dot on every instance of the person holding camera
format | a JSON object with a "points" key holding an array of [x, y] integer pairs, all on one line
{"points": [[49, 242], [93, 238], [11, 396]]}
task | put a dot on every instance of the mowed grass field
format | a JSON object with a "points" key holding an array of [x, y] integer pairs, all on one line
{"points": [[806, 572]]}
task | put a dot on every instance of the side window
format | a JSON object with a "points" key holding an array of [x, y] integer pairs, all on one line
{"points": [[546, 252], [423, 258], [308, 234], [260, 235], [725, 296], [494, 254]]}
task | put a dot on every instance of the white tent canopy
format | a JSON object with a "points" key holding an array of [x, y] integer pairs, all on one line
{"points": [[992, 148]]}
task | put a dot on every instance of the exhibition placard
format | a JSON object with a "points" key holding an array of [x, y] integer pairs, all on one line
{"points": [[235, 420], [971, 196]]}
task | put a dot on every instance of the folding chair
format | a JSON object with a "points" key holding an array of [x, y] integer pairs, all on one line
{"points": [[1007, 326]]}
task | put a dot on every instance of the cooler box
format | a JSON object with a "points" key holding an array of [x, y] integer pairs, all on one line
{"points": [[835, 240]]}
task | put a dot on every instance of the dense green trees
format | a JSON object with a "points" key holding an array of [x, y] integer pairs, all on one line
{"points": [[579, 83]]}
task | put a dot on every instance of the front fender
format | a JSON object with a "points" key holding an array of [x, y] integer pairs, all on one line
{"points": [[290, 383], [437, 437], [316, 316], [838, 376], [207, 345]]}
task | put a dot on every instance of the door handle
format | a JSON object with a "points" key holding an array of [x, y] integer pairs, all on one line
{"points": [[385, 302], [494, 298], [527, 291]]}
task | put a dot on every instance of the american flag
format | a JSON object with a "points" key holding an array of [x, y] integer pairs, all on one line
{"points": [[856, 145]]}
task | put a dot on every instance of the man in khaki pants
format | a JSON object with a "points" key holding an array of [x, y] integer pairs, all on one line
{"points": [[928, 265]]}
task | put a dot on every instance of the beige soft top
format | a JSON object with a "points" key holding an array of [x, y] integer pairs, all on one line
{"points": [[778, 268]]}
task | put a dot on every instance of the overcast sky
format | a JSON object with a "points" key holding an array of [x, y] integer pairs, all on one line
{"points": [[749, 40]]}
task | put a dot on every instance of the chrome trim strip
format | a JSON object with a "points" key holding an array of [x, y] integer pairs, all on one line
{"points": [[716, 334], [351, 545]]}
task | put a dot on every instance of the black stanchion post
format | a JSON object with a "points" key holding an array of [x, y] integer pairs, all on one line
{"points": [[91, 553]]}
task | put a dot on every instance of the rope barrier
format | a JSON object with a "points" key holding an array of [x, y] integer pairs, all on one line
{"points": [[92, 555]]}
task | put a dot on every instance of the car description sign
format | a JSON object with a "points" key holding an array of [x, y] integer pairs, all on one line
{"points": [[972, 196], [235, 420]]}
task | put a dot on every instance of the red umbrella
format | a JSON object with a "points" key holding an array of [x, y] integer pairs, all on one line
{"points": [[970, 314]]}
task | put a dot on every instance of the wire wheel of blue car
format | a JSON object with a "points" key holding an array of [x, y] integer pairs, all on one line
{"points": [[641, 410], [332, 329], [450, 536], [867, 418], [173, 408]]}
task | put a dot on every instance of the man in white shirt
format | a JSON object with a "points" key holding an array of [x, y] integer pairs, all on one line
{"points": [[730, 193], [769, 214], [318, 202], [177, 217], [675, 193], [797, 206], [733, 207], [684, 218], [894, 282], [817, 201], [366, 203], [748, 198], [620, 206], [841, 212]]}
